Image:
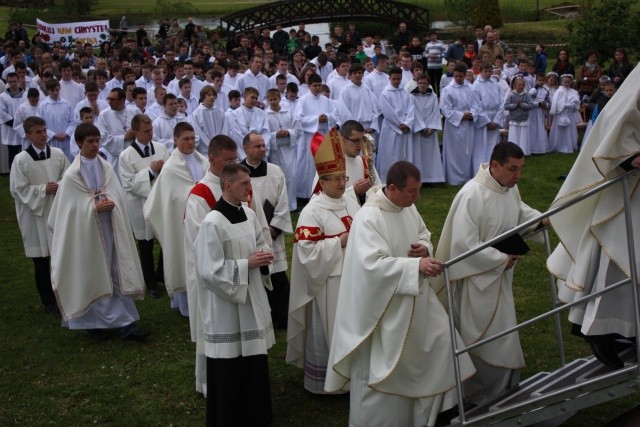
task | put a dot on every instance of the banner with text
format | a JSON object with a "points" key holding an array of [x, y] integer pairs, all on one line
{"points": [[94, 32]]}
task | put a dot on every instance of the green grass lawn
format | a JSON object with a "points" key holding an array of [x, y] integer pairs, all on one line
{"points": [[51, 375]]}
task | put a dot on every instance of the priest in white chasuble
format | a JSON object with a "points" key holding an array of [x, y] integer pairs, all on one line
{"points": [[391, 343], [321, 235], [165, 207], [33, 182], [232, 260], [482, 284], [269, 183], [139, 165], [95, 269], [593, 252]]}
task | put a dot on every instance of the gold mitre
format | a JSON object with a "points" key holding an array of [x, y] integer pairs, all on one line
{"points": [[328, 153]]}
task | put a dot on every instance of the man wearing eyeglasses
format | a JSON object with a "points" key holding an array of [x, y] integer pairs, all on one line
{"points": [[115, 127], [320, 238], [360, 170]]}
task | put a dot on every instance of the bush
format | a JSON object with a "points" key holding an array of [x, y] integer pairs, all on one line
{"points": [[604, 27]]}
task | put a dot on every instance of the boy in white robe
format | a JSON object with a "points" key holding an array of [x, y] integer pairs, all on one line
{"points": [[491, 116], [356, 101], [321, 235], [26, 109], [207, 120], [165, 123], [165, 207], [232, 262], [33, 183], [313, 112], [10, 99], [58, 114], [140, 164], [391, 343], [424, 151], [460, 109], [484, 208], [247, 118], [95, 270], [254, 78], [395, 132], [285, 137]]}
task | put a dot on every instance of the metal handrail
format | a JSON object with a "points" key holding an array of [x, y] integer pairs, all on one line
{"points": [[624, 178]]}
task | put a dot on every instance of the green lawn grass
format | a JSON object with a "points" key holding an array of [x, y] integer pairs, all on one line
{"points": [[51, 375]]}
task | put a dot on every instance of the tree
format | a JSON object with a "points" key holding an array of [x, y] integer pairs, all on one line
{"points": [[472, 12], [487, 12], [459, 12], [604, 27]]}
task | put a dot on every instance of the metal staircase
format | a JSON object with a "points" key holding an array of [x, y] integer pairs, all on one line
{"points": [[582, 383]]}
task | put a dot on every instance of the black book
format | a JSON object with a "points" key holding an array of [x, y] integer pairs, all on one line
{"points": [[512, 245]]}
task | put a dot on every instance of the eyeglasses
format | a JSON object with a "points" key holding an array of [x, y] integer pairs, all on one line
{"points": [[336, 178], [355, 141]]}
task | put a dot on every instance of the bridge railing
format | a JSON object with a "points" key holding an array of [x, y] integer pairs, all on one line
{"points": [[555, 312]]}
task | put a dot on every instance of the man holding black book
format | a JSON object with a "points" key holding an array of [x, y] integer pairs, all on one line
{"points": [[269, 183], [487, 206]]}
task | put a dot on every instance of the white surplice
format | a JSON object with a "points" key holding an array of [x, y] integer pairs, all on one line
{"points": [[9, 103], [95, 269], [135, 175], [483, 295], [59, 117], [236, 319], [163, 126], [27, 183], [316, 266], [391, 343], [356, 103]]}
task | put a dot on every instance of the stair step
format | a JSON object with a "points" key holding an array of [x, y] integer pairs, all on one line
{"points": [[523, 387], [567, 376], [547, 381]]}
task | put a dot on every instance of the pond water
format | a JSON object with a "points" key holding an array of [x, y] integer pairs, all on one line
{"points": [[320, 30]]}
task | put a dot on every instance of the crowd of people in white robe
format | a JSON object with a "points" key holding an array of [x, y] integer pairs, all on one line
{"points": [[147, 153]]}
